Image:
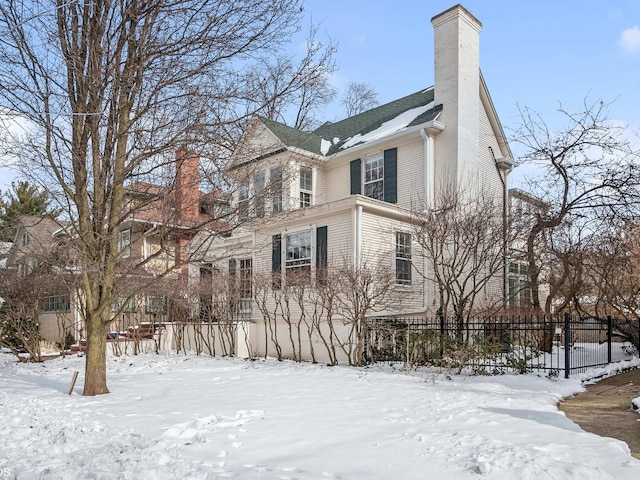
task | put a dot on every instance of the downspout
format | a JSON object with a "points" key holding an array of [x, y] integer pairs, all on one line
{"points": [[504, 166], [428, 200], [358, 240], [427, 204]]}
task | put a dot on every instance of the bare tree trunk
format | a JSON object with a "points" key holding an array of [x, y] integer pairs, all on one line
{"points": [[95, 379]]}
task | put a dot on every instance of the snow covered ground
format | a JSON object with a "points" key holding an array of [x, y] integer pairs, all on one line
{"points": [[190, 417]]}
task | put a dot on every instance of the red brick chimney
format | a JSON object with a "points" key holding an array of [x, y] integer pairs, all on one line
{"points": [[186, 190], [186, 186]]}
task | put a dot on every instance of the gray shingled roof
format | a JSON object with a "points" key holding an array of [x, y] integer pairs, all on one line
{"points": [[350, 127]]}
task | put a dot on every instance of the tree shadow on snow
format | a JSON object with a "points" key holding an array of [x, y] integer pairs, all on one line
{"points": [[545, 418]]}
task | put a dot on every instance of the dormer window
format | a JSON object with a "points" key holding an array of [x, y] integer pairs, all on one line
{"points": [[306, 186]]}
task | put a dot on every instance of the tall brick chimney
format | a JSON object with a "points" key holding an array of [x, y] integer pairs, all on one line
{"points": [[187, 184], [186, 191]]}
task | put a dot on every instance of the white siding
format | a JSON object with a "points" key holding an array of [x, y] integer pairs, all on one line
{"points": [[378, 245], [410, 180], [488, 173]]}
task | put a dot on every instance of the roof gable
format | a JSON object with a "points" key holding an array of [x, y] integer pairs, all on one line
{"points": [[259, 139]]}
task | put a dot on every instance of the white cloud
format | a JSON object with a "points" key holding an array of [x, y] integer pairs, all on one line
{"points": [[630, 39]]}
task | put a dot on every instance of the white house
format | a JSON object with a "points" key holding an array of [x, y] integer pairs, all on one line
{"points": [[343, 193]]}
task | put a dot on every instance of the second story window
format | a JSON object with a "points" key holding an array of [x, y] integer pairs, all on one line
{"points": [[26, 238], [124, 242], [243, 201], [258, 188], [275, 186], [374, 178], [306, 186]]}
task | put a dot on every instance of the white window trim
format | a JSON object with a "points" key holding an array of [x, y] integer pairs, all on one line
{"points": [[372, 158], [286, 246], [304, 190], [258, 192], [246, 303], [397, 283], [272, 191]]}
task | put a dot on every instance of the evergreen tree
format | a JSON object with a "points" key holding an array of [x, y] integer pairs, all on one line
{"points": [[22, 199]]}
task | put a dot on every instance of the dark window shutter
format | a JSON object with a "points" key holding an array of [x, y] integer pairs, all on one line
{"points": [[391, 175], [321, 254], [356, 177], [276, 261], [232, 274], [276, 255]]}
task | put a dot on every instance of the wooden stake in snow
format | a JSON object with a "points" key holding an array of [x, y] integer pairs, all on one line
{"points": [[73, 382]]}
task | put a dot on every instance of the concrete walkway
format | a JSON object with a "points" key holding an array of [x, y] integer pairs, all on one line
{"points": [[605, 409]]}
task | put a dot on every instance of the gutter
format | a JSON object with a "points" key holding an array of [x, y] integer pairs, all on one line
{"points": [[431, 125]]}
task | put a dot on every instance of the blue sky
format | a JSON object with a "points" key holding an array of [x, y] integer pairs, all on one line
{"points": [[532, 53]]}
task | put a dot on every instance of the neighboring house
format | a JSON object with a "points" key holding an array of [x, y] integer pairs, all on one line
{"points": [[5, 247], [35, 248], [343, 194], [158, 222], [34, 242]]}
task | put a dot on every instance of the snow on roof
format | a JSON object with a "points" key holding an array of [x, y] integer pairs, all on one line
{"points": [[387, 128], [325, 145]]}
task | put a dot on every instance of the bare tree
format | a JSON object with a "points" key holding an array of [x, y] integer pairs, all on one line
{"points": [[359, 98], [462, 237], [291, 92], [108, 92], [580, 170], [612, 279], [359, 293], [23, 300]]}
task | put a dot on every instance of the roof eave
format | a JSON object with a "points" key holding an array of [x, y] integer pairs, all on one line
{"points": [[485, 97], [433, 125]]}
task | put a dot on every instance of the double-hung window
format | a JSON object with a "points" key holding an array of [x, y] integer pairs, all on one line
{"points": [[519, 285], [243, 201], [258, 189], [298, 256], [306, 186], [403, 258], [246, 282], [275, 185], [374, 177], [155, 305]]}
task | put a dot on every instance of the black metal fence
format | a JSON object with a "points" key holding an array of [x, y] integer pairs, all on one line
{"points": [[494, 345]]}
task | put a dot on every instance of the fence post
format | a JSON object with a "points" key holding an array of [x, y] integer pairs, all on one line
{"points": [[567, 346], [609, 334]]}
